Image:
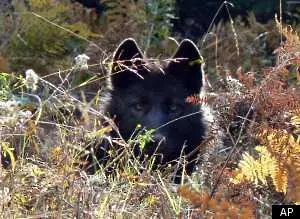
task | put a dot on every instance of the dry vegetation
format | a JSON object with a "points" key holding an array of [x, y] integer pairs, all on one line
{"points": [[43, 139]]}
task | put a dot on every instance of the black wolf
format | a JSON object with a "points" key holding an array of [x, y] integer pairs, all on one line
{"points": [[155, 98]]}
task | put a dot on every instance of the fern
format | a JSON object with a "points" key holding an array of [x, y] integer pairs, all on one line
{"points": [[280, 143], [219, 206], [293, 191], [257, 170], [275, 160]]}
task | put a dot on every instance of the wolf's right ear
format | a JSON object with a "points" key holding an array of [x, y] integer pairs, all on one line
{"points": [[186, 65], [127, 61]]}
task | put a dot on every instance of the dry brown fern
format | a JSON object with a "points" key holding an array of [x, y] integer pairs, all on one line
{"points": [[215, 207]]}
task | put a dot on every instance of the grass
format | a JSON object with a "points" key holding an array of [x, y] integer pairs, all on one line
{"points": [[43, 150]]}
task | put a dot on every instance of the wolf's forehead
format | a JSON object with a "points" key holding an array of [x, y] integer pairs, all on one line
{"points": [[158, 85]]}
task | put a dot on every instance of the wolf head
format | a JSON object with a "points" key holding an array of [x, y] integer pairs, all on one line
{"points": [[155, 98]]}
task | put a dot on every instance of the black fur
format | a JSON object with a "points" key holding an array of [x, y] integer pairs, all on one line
{"points": [[153, 97]]}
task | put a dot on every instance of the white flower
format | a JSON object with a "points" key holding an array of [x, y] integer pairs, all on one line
{"points": [[26, 114], [81, 61], [31, 79]]}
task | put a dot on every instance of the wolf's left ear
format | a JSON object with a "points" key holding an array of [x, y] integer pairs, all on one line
{"points": [[127, 61], [186, 66]]}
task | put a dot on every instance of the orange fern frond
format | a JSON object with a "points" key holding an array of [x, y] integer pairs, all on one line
{"points": [[217, 205], [279, 142], [196, 99], [293, 191], [280, 178]]}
